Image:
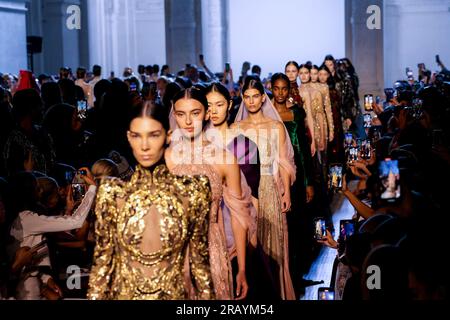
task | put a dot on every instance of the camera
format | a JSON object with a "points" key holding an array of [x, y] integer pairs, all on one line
{"points": [[335, 177], [320, 228], [325, 294]]}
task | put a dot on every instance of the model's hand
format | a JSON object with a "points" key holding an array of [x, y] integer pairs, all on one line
{"points": [[309, 194], [286, 203], [241, 286]]}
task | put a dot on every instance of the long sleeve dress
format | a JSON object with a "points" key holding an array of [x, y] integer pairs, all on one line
{"points": [[146, 229]]}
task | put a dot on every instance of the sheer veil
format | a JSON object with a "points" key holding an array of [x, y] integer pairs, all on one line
{"points": [[286, 159]]}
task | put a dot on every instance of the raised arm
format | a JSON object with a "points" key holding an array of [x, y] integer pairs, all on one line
{"points": [[37, 224]]}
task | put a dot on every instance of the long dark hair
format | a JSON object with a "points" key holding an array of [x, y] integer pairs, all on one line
{"points": [[194, 94], [280, 76], [152, 110], [252, 82], [220, 89], [292, 63]]}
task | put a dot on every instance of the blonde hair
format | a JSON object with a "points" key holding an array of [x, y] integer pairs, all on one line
{"points": [[105, 168]]}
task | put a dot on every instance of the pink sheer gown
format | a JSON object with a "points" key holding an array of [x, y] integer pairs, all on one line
{"points": [[219, 253]]}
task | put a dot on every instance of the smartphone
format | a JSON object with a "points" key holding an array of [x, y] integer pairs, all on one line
{"points": [[389, 92], [133, 87], [81, 106], [348, 139], [353, 154], [78, 191], [227, 67], [368, 102], [389, 174], [320, 228], [367, 120], [409, 74], [346, 229], [366, 149], [335, 177], [325, 294], [377, 100], [375, 133], [201, 57], [438, 59]]}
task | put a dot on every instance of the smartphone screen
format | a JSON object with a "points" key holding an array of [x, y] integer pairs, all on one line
{"points": [[320, 228], [353, 154], [390, 180], [335, 177], [325, 294], [133, 87], [367, 120], [227, 67], [366, 149], [348, 139], [368, 102], [82, 106], [346, 229], [78, 191]]}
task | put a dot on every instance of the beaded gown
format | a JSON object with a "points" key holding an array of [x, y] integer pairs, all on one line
{"points": [[144, 229], [238, 206]]}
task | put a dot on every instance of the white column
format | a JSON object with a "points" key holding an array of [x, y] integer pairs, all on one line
{"points": [[214, 33], [13, 37]]}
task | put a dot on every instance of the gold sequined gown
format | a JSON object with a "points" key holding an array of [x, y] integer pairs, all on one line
{"points": [[221, 271], [143, 231], [322, 114], [272, 232]]}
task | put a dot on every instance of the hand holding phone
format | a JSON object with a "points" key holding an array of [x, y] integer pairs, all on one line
{"points": [[227, 67], [325, 294], [320, 228], [335, 177]]}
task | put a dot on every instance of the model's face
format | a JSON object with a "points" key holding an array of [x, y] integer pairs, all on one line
{"points": [[189, 115], [280, 91], [305, 75], [253, 100], [314, 75], [330, 65], [291, 72], [323, 76], [147, 138], [218, 108]]}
